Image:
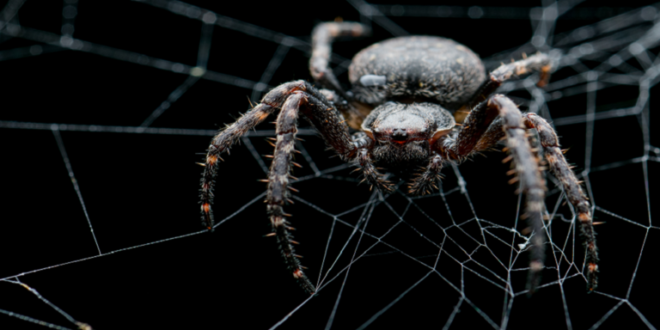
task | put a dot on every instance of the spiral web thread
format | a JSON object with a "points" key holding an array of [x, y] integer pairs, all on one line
{"points": [[625, 46]]}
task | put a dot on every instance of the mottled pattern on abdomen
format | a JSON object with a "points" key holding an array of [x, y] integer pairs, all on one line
{"points": [[421, 68]]}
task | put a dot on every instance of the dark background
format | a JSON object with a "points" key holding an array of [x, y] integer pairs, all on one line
{"points": [[142, 188]]}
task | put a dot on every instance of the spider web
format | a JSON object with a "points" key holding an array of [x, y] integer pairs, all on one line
{"points": [[104, 106]]}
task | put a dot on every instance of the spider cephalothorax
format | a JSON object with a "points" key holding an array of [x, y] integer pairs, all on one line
{"points": [[403, 134], [406, 93]]}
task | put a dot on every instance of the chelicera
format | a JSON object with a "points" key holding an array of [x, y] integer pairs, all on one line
{"points": [[406, 95]]}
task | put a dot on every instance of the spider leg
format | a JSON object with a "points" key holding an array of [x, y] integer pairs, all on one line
{"points": [[278, 186], [427, 181], [477, 133], [326, 119], [354, 113], [364, 144], [329, 122], [227, 137], [538, 62], [290, 99], [221, 143], [371, 174], [574, 194], [322, 37], [562, 171]]}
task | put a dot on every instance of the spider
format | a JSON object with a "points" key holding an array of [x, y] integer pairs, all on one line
{"points": [[406, 96]]}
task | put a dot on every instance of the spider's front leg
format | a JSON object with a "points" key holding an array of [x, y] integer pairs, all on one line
{"points": [[562, 171], [488, 122], [291, 99], [228, 136], [278, 186], [327, 120]]}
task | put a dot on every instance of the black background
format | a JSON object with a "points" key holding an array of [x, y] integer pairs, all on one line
{"points": [[141, 188]]}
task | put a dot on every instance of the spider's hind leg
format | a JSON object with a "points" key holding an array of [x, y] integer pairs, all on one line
{"points": [[323, 36], [539, 62]]}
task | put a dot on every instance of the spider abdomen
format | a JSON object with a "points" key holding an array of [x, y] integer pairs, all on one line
{"points": [[416, 69]]}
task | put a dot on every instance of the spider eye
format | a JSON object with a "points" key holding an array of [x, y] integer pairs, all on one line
{"points": [[399, 134]]}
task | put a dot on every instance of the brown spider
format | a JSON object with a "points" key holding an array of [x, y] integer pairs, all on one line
{"points": [[406, 93]]}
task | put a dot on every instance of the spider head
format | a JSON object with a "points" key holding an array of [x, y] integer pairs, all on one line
{"points": [[404, 133]]}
